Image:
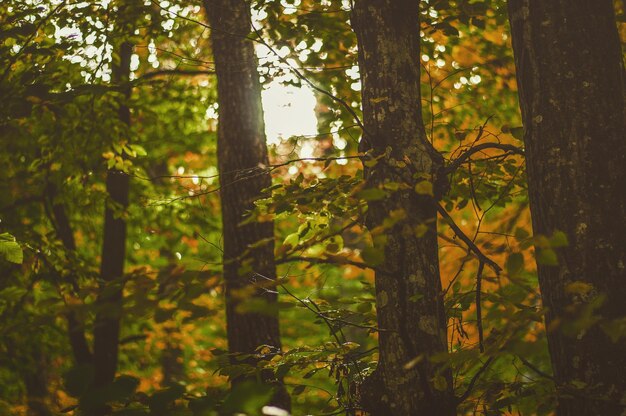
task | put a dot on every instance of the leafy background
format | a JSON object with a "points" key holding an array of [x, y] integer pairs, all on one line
{"points": [[60, 134]]}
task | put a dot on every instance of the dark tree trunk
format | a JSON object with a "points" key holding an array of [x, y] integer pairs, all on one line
{"points": [[76, 329], [107, 324], [35, 378], [409, 300], [36, 384], [242, 157], [571, 86], [172, 364], [172, 356]]}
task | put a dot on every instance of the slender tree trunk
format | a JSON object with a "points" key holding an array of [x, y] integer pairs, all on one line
{"points": [[35, 378], [172, 355], [36, 384], [409, 300], [76, 329], [172, 364], [107, 324], [249, 268], [571, 86]]}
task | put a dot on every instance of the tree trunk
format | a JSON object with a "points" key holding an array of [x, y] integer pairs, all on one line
{"points": [[249, 268], [172, 355], [172, 364], [409, 301], [76, 328], [107, 324], [571, 87], [36, 384]]}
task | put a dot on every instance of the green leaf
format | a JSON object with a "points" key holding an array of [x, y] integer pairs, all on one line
{"points": [[12, 293], [364, 307], [139, 150], [515, 264], [579, 288], [371, 194], [518, 133], [291, 240], [392, 186], [416, 297], [424, 188], [382, 299], [370, 163], [10, 249], [547, 257], [559, 239], [420, 230], [372, 256], [521, 234]]}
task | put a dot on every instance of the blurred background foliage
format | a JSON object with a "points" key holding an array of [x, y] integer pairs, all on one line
{"points": [[60, 133]]}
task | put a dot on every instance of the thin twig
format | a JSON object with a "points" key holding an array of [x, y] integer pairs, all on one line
{"points": [[534, 368], [337, 260], [474, 379], [479, 317], [454, 165], [470, 244], [172, 72]]}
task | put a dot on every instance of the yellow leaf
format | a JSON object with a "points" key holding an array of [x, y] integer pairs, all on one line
{"points": [[420, 230], [413, 362], [383, 299], [424, 188], [579, 288]]}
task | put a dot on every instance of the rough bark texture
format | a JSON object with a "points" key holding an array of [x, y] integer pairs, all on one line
{"points": [[409, 297], [107, 323], [571, 87], [242, 155]]}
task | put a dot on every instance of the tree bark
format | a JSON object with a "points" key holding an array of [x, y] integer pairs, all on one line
{"points": [[409, 299], [571, 86], [107, 323], [249, 267]]}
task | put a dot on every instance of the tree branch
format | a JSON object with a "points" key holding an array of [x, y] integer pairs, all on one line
{"points": [[474, 379], [534, 368], [337, 260], [174, 72], [470, 244], [76, 332], [479, 315], [454, 165]]}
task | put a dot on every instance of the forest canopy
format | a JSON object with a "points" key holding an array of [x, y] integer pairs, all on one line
{"points": [[443, 235]]}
